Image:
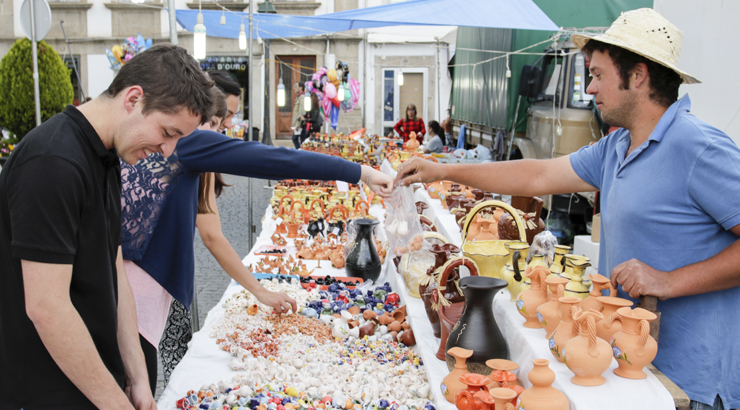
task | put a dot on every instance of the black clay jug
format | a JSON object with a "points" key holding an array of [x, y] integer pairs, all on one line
{"points": [[363, 260], [477, 329]]}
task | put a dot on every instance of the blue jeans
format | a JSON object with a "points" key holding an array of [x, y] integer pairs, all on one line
{"points": [[718, 405]]}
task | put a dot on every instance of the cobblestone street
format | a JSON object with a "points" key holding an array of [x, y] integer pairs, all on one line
{"points": [[210, 280]]}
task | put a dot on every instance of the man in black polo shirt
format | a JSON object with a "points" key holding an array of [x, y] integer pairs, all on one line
{"points": [[68, 333]]}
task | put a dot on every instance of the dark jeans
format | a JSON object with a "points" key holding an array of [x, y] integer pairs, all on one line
{"points": [[150, 357], [718, 405]]}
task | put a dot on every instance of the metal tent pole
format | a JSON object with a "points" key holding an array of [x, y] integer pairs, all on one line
{"points": [[250, 123], [35, 57], [173, 21]]}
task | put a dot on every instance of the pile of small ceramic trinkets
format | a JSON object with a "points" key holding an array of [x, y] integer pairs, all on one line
{"points": [[317, 358]]}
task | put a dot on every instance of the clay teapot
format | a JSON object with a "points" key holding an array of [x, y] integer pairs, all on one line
{"points": [[633, 347], [587, 355]]}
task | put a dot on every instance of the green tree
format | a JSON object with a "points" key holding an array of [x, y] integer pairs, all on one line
{"points": [[17, 108]]}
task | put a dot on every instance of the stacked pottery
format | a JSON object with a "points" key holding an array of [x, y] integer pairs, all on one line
{"points": [[477, 329], [529, 300], [451, 384], [542, 396], [567, 328], [503, 373], [608, 327], [549, 313], [587, 355], [600, 282], [633, 347]]}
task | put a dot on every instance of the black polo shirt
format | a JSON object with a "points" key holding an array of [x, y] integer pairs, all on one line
{"points": [[59, 203]]}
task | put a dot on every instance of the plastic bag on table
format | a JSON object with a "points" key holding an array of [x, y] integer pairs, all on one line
{"points": [[543, 244], [402, 224]]}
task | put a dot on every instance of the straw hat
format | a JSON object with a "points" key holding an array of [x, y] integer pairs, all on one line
{"points": [[647, 33]]}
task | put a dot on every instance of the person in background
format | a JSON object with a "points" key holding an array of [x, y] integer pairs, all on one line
{"points": [[314, 120], [298, 120], [411, 123], [668, 226], [437, 140], [67, 316], [228, 85], [447, 127]]}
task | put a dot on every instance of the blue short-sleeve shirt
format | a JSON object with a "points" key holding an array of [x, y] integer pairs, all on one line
{"points": [[669, 204]]}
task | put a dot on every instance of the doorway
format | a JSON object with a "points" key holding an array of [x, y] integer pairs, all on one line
{"points": [[293, 70], [397, 97]]}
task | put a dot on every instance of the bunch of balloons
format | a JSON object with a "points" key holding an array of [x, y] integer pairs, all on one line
{"points": [[119, 55], [327, 83]]}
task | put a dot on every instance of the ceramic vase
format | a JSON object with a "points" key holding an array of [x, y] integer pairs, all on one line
{"points": [[451, 383], [529, 300], [599, 283], [549, 313], [293, 230], [477, 329], [363, 260], [606, 328], [633, 347], [517, 251], [577, 287], [567, 328], [587, 355], [503, 398], [542, 396]]}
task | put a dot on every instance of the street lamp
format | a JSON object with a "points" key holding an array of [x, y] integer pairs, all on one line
{"points": [[400, 78], [242, 37], [281, 94], [340, 92], [307, 102], [199, 38]]}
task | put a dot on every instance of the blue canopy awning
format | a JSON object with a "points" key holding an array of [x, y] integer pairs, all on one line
{"points": [[511, 14]]}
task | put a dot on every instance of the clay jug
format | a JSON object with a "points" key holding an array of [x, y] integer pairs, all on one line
{"points": [[600, 282], [502, 398], [534, 260], [610, 306], [549, 313], [633, 347], [559, 259], [477, 329], [587, 355], [484, 401], [511, 271], [576, 287], [503, 374], [451, 383], [450, 304], [363, 260], [474, 383], [428, 285], [542, 396], [567, 328], [528, 301]]}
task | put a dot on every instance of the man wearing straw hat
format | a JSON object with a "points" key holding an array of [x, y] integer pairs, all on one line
{"points": [[669, 185]]}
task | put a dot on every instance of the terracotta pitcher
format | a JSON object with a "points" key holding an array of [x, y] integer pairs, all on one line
{"points": [[587, 355], [451, 384], [600, 282], [567, 328], [610, 306], [549, 313], [528, 301], [542, 396], [633, 347]]}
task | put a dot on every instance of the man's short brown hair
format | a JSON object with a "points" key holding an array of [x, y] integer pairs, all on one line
{"points": [[171, 80]]}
